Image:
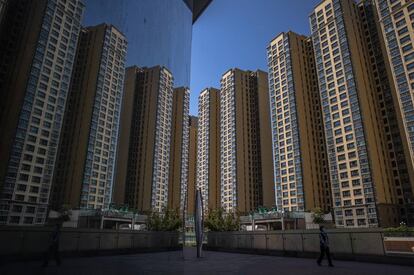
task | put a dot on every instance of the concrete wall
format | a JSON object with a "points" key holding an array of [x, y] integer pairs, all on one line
{"points": [[346, 243], [27, 242]]}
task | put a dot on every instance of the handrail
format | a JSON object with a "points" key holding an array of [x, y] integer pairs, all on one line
{"points": [[27, 242], [353, 242]]}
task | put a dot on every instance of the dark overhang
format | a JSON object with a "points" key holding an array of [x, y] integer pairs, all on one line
{"points": [[197, 7]]}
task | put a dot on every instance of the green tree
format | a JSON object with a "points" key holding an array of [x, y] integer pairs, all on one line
{"points": [[219, 220], [167, 220], [318, 216]]}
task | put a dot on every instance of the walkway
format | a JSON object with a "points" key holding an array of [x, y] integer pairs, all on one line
{"points": [[212, 263]]}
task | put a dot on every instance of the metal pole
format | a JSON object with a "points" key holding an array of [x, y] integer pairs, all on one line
{"points": [[184, 218], [383, 245], [352, 244], [199, 222]]}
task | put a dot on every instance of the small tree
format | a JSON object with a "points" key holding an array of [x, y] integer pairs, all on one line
{"points": [[65, 213], [218, 220], [402, 230], [318, 215], [167, 220], [231, 222], [214, 220]]}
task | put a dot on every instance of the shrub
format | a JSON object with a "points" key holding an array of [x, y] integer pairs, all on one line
{"points": [[402, 230], [167, 220], [318, 216], [219, 220]]}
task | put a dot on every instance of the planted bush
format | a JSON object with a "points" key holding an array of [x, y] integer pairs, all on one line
{"points": [[318, 216], [401, 231], [167, 220], [219, 220]]}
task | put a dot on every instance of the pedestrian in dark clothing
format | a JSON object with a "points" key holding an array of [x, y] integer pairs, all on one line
{"points": [[324, 244], [53, 247]]}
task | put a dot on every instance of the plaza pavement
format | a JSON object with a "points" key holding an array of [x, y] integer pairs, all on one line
{"points": [[177, 262]]}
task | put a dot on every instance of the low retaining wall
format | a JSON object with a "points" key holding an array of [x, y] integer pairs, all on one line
{"points": [[399, 245], [361, 245], [32, 242]]}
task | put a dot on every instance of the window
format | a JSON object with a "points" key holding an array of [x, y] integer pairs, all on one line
{"points": [[21, 187], [403, 31], [407, 48], [14, 219], [24, 177], [28, 220], [30, 209], [17, 208], [360, 212], [409, 57], [405, 39]]}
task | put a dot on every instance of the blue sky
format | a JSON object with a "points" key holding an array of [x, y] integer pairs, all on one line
{"points": [[235, 33]]}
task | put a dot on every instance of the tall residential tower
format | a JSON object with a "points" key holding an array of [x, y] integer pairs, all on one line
{"points": [[245, 141], [143, 159], [363, 191], [208, 147], [159, 32], [300, 162], [38, 42], [178, 175], [85, 172], [192, 164], [396, 20]]}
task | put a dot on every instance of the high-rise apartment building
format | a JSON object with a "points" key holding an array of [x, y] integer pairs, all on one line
{"points": [[384, 92], [178, 175], [300, 162], [86, 161], [396, 21], [142, 169], [245, 141], [363, 190], [208, 147], [192, 164], [159, 32], [37, 50]]}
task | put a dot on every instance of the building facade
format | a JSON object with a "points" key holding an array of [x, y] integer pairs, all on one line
{"points": [[86, 162], [178, 175], [37, 50], [208, 147], [192, 164], [363, 194], [142, 169], [159, 32], [245, 138], [300, 162], [396, 19]]}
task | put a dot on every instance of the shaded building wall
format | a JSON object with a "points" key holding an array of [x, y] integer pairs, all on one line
{"points": [[360, 169], [148, 154], [395, 29], [302, 179], [244, 178], [159, 32], [18, 45], [84, 176], [178, 177], [38, 44], [192, 164], [208, 152]]}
